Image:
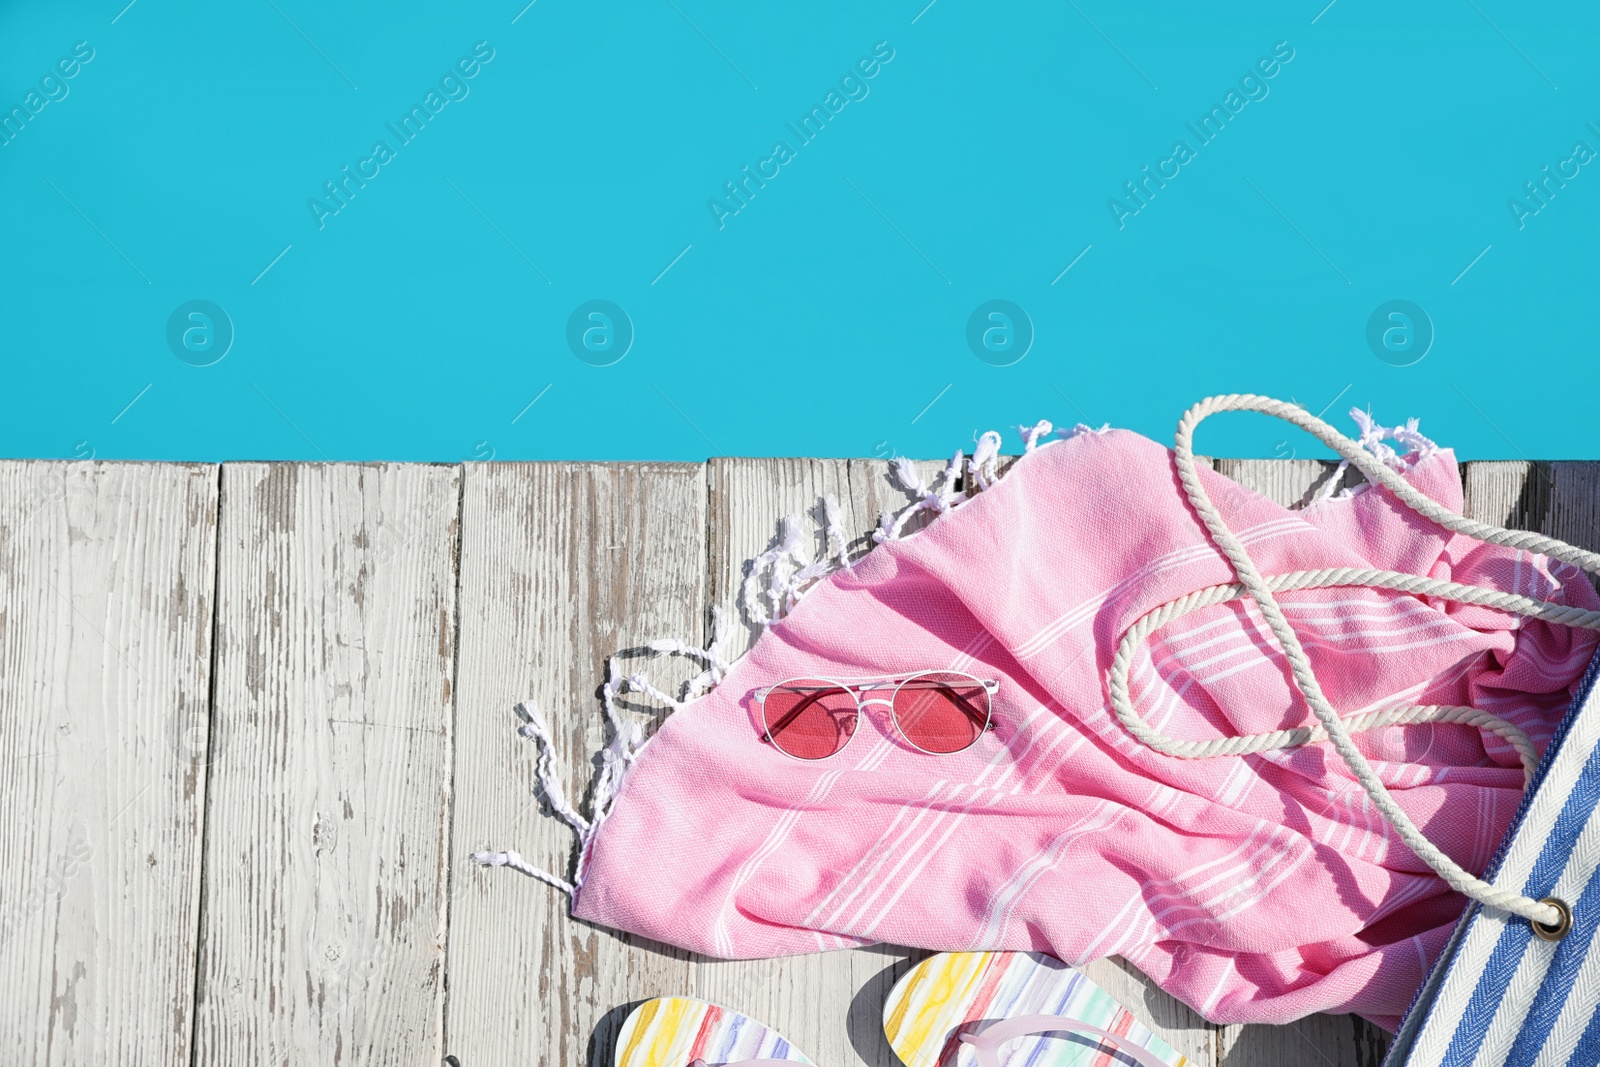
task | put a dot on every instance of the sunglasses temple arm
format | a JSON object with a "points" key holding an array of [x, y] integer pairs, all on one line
{"points": [[973, 712]]}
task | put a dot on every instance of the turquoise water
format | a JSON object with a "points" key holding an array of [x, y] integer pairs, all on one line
{"points": [[672, 229]]}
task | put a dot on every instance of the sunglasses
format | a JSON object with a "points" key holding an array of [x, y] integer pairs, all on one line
{"points": [[937, 712]]}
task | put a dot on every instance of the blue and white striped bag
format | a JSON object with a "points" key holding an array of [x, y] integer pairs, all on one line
{"points": [[1504, 993]]}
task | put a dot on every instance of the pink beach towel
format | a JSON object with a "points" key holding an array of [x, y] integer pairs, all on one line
{"points": [[1259, 888]]}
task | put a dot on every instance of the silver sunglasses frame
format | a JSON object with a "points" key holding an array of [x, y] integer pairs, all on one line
{"points": [[856, 687]]}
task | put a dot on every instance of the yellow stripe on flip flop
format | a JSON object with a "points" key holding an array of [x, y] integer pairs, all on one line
{"points": [[945, 992], [661, 1033], [935, 998], [641, 1033], [668, 1031]]}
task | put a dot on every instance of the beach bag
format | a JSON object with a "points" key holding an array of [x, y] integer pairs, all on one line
{"points": [[1503, 992]]}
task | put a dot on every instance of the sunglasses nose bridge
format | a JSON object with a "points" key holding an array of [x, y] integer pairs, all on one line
{"points": [[876, 700]]}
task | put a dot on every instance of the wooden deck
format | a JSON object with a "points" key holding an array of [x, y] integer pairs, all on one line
{"points": [[254, 719]]}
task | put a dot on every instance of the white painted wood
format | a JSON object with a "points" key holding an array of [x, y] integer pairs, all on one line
{"points": [[750, 497], [1559, 499], [1315, 1041], [325, 876], [106, 578], [328, 847], [1509, 493], [562, 564], [1290, 482]]}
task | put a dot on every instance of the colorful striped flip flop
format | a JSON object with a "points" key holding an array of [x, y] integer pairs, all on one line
{"points": [[676, 1031], [941, 997]]}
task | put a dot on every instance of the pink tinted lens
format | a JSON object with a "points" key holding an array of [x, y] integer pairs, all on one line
{"points": [[942, 712], [810, 718]]}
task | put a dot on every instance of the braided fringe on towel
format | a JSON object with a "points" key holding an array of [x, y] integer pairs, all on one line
{"points": [[777, 578], [982, 471], [627, 740], [1371, 438]]}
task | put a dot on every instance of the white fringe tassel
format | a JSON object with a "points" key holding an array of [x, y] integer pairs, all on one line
{"points": [[627, 739], [1371, 439], [982, 471]]}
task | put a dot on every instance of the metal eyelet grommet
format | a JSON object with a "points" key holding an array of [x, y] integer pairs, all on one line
{"points": [[1561, 928]]}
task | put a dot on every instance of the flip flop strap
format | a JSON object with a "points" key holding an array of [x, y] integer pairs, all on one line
{"points": [[987, 1043]]}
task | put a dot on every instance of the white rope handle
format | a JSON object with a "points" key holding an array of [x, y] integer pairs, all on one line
{"points": [[1260, 589]]}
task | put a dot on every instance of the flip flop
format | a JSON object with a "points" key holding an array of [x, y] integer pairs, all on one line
{"points": [[679, 1031], [957, 1008]]}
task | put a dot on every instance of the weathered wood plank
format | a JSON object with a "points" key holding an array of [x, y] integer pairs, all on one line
{"points": [[749, 497], [332, 581], [1559, 499], [1334, 1040], [561, 565], [106, 580], [1290, 482], [324, 894]]}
